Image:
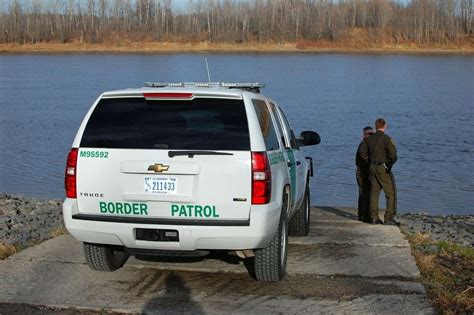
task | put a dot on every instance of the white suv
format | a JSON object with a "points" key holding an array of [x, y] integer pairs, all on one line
{"points": [[184, 168]]}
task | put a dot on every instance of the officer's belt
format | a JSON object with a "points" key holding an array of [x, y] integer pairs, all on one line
{"points": [[377, 163]]}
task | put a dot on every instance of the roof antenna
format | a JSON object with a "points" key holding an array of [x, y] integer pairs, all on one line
{"points": [[207, 67]]}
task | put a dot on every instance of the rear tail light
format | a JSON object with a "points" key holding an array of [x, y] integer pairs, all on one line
{"points": [[261, 179], [70, 174]]}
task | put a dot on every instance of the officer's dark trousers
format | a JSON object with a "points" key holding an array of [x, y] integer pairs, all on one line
{"points": [[379, 179], [362, 176]]}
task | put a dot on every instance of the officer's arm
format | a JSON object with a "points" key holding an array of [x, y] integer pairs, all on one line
{"points": [[391, 152], [357, 157], [364, 152]]}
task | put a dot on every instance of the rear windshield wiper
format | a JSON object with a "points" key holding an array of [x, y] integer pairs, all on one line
{"points": [[193, 153]]}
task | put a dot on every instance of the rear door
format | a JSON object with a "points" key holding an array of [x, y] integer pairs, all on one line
{"points": [[171, 159], [295, 162]]}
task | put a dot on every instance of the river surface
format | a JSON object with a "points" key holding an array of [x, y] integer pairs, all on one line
{"points": [[428, 102]]}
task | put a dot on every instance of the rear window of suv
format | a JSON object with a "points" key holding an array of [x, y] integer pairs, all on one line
{"points": [[198, 124]]}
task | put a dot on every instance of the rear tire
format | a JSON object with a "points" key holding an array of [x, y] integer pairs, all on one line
{"points": [[300, 222], [270, 262], [104, 257]]}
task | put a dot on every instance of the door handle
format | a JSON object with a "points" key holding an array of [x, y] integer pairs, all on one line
{"points": [[298, 162]]}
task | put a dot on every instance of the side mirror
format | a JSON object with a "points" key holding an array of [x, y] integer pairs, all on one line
{"points": [[310, 138]]}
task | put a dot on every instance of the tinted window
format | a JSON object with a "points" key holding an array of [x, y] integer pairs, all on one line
{"points": [[266, 125], [293, 143], [200, 124], [278, 124]]}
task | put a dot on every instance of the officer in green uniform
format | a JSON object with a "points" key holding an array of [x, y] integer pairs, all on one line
{"points": [[362, 176], [381, 154]]}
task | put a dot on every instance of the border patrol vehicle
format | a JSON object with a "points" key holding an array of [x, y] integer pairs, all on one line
{"points": [[185, 168]]}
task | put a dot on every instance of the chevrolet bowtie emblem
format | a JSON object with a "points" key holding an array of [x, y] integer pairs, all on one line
{"points": [[158, 168]]}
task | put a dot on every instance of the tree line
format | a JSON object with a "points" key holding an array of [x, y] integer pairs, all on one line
{"points": [[235, 21]]}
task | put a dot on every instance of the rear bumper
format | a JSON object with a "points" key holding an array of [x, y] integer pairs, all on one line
{"points": [[247, 234], [127, 219]]}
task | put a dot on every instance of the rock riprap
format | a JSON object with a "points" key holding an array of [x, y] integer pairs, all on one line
{"points": [[453, 228], [24, 221]]}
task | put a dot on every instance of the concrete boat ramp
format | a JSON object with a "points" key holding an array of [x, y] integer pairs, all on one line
{"points": [[343, 267]]}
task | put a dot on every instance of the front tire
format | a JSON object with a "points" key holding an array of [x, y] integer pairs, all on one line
{"points": [[300, 222], [104, 257], [270, 262]]}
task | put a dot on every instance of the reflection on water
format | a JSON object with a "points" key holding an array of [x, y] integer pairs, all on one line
{"points": [[427, 100]]}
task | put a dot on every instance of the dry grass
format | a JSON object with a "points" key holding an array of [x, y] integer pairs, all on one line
{"points": [[323, 46], [58, 232], [6, 250], [447, 271]]}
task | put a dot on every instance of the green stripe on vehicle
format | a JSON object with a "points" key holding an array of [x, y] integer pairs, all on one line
{"points": [[292, 170]]}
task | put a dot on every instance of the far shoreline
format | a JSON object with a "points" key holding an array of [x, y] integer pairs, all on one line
{"points": [[223, 48]]}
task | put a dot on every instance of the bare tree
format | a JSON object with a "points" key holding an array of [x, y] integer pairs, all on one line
{"points": [[420, 21]]}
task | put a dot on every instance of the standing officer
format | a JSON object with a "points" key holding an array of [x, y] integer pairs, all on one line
{"points": [[381, 154], [362, 176]]}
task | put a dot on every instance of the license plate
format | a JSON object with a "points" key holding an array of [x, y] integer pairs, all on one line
{"points": [[161, 185]]}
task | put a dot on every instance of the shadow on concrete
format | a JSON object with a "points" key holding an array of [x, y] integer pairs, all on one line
{"points": [[339, 212], [170, 259], [176, 298], [249, 264], [216, 255]]}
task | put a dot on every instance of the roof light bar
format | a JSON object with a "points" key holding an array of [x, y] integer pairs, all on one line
{"points": [[254, 87], [243, 85], [164, 84]]}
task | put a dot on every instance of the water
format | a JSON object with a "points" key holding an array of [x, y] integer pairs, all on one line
{"points": [[427, 100]]}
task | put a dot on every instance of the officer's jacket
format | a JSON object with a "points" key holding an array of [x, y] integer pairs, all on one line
{"points": [[380, 148], [359, 161]]}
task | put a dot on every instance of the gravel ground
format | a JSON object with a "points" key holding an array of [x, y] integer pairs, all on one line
{"points": [[25, 221], [454, 228]]}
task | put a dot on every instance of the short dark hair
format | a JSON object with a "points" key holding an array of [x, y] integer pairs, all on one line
{"points": [[380, 123], [367, 128]]}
